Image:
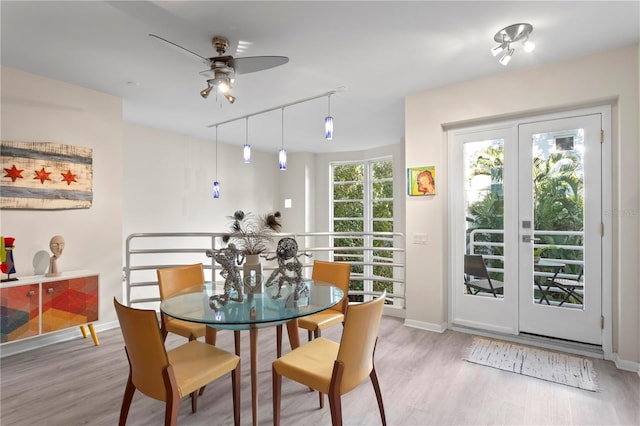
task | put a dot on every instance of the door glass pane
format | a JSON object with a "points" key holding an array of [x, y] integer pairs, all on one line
{"points": [[484, 213], [558, 212]]}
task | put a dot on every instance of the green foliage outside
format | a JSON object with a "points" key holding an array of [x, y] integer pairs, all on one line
{"points": [[558, 203], [350, 210]]}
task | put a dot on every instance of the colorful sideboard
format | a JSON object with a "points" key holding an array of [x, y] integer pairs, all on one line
{"points": [[35, 305]]}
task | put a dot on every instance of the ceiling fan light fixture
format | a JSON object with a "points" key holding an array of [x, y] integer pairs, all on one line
{"points": [[230, 97], [205, 92]]}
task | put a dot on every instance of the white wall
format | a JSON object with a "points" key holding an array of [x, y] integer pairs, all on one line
{"points": [[169, 182], [610, 77], [37, 109]]}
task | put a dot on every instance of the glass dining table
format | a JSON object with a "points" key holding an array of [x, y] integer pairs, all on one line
{"points": [[269, 308]]}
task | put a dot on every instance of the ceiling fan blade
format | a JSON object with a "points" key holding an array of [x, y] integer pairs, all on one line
{"points": [[257, 63], [204, 60]]}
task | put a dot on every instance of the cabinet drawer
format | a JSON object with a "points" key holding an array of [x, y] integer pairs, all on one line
{"points": [[68, 303], [19, 312]]}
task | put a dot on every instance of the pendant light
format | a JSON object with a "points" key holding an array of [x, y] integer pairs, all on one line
{"points": [[216, 184], [282, 155], [328, 122], [246, 150]]}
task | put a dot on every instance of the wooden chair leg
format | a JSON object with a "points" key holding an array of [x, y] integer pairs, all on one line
{"points": [[235, 387], [317, 333], [129, 390], [173, 397], [309, 335], [277, 389], [335, 404], [376, 388], [194, 401], [336, 409], [279, 341], [236, 339]]}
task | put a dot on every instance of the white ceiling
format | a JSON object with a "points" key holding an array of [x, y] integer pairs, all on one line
{"points": [[377, 51]]}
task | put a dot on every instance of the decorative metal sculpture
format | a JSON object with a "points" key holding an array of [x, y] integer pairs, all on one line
{"points": [[229, 258], [289, 268]]}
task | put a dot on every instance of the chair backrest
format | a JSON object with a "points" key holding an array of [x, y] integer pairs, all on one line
{"points": [[177, 278], [474, 266], [145, 349], [336, 273], [358, 341]]}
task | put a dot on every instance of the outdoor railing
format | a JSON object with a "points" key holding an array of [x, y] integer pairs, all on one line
{"points": [[147, 252], [475, 245]]}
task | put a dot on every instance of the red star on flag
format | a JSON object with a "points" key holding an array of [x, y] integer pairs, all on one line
{"points": [[68, 177], [42, 175], [14, 173]]}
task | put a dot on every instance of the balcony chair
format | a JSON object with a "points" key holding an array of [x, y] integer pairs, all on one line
{"points": [[170, 375], [476, 276], [335, 368], [570, 286]]}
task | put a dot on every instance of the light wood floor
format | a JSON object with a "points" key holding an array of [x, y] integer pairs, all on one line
{"points": [[423, 375]]}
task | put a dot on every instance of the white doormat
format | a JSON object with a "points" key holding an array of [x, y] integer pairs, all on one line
{"points": [[546, 365]]}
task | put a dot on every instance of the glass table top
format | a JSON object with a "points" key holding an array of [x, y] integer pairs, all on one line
{"points": [[198, 304]]}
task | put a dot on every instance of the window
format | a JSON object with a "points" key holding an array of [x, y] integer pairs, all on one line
{"points": [[362, 208]]}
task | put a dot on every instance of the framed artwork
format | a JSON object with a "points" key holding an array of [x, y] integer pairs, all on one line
{"points": [[45, 176], [421, 180]]}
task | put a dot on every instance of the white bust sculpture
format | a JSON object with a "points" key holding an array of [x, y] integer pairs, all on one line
{"points": [[56, 245]]}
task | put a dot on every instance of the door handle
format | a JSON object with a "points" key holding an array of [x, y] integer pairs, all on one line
{"points": [[529, 239]]}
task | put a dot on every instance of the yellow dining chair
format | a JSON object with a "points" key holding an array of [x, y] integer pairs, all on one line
{"points": [[335, 273], [170, 375], [335, 368], [171, 281]]}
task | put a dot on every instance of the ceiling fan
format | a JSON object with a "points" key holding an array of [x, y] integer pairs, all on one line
{"points": [[223, 68]]}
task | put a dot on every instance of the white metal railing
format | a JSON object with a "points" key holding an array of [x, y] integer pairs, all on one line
{"points": [[147, 252], [474, 244]]}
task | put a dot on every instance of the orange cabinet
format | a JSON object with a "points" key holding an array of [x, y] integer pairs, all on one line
{"points": [[48, 305], [19, 312], [68, 303]]}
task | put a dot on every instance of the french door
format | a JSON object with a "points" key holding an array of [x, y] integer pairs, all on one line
{"points": [[560, 205], [527, 197]]}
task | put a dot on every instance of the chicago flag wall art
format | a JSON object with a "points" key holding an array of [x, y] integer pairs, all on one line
{"points": [[45, 176]]}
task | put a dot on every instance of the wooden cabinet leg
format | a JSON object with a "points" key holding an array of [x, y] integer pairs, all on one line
{"points": [[83, 329], [94, 336]]}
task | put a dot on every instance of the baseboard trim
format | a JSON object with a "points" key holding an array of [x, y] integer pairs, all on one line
{"points": [[24, 345], [623, 364], [438, 328]]}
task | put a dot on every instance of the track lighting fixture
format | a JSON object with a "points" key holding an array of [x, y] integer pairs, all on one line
{"points": [[509, 35], [282, 154], [328, 122], [216, 184], [246, 150]]}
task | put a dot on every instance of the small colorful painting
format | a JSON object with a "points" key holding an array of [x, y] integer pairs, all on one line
{"points": [[421, 180]]}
